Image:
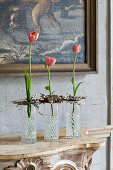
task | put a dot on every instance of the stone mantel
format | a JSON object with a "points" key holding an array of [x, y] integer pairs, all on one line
{"points": [[65, 154]]}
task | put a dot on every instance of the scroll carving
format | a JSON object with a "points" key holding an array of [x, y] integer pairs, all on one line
{"points": [[69, 160], [29, 163], [65, 165], [87, 167], [39, 164]]}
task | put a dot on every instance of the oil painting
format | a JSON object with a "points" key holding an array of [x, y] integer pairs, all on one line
{"points": [[60, 23]]}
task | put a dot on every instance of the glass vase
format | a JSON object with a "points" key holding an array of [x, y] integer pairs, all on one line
{"points": [[29, 126], [73, 125], [51, 122]]}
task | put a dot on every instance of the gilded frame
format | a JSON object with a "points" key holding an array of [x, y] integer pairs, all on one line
{"points": [[60, 69]]}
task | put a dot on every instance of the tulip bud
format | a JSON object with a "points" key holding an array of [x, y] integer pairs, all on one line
{"points": [[76, 48], [50, 61], [33, 36]]}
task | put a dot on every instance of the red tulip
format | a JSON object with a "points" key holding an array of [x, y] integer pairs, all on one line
{"points": [[50, 61], [76, 48], [33, 36]]}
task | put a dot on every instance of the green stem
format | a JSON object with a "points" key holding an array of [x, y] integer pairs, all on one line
{"points": [[73, 92], [73, 131], [73, 108], [29, 84], [29, 110], [50, 88], [52, 110], [30, 60], [73, 121], [74, 75], [49, 79], [74, 79]]}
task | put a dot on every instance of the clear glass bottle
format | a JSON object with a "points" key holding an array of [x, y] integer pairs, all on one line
{"points": [[73, 124], [51, 122], [29, 126]]}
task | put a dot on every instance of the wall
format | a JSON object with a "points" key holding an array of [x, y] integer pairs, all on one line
{"points": [[111, 82], [93, 114]]}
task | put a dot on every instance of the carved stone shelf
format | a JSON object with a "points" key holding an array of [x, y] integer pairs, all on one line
{"points": [[66, 154]]}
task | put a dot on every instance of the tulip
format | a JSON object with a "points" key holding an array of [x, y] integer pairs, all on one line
{"points": [[33, 36], [76, 48], [50, 61]]}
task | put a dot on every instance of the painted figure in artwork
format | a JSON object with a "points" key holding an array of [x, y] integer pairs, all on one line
{"points": [[41, 8], [60, 22]]}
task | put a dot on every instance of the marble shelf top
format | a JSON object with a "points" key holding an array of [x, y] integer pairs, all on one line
{"points": [[12, 148]]}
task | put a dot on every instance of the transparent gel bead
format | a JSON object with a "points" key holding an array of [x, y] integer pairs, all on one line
{"points": [[29, 126], [73, 124], [51, 122]]}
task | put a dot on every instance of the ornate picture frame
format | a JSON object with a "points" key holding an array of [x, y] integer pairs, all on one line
{"points": [[88, 55]]}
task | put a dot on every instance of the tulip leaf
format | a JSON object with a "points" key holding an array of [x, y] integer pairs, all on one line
{"points": [[26, 82], [28, 86], [29, 82], [47, 87], [29, 94], [26, 74], [77, 87], [72, 80]]}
